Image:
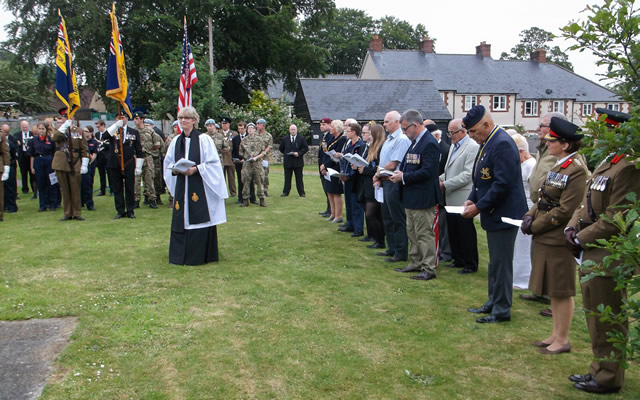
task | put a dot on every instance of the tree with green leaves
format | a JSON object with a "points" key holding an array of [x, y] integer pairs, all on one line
{"points": [[535, 38], [21, 84], [399, 34], [255, 41], [612, 32]]}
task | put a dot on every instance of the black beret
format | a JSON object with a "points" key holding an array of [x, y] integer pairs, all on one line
{"points": [[138, 114], [614, 118], [225, 120], [563, 129], [432, 127], [63, 111], [473, 116]]}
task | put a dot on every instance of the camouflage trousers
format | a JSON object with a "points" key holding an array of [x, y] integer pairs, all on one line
{"points": [[252, 170], [265, 182], [157, 175], [147, 179]]}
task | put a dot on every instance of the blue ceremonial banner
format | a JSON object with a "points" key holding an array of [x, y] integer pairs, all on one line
{"points": [[117, 86], [66, 85]]}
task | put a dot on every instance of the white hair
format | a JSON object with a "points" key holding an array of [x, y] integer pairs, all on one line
{"points": [[521, 142]]}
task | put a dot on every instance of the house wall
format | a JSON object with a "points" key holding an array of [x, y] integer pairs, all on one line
{"points": [[369, 70]]}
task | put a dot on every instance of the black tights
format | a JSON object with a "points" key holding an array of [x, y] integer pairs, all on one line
{"points": [[373, 215]]}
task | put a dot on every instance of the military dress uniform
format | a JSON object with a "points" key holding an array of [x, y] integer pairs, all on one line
{"points": [[156, 155], [252, 147], [147, 143], [123, 179], [5, 161], [227, 162], [553, 270], [66, 163], [611, 181]]}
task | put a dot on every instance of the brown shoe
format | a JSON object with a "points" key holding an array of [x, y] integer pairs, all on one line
{"points": [[533, 297], [262, 203], [546, 312]]}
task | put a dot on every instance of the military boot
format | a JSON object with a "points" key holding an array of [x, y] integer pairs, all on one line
{"points": [[152, 204], [245, 203], [262, 203], [159, 201]]}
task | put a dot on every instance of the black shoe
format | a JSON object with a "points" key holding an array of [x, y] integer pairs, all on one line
{"points": [[345, 229], [130, 214], [285, 195], [254, 201], [376, 246], [152, 204], [100, 194], [41, 210], [118, 216], [466, 271], [65, 219], [593, 386], [345, 225], [384, 254], [367, 239], [481, 310], [325, 214], [492, 319], [159, 201], [357, 234], [91, 208], [78, 218], [303, 195], [408, 269], [34, 197], [14, 211], [145, 202], [424, 276], [580, 378], [395, 259], [454, 265]]}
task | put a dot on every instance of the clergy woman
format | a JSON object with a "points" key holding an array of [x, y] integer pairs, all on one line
{"points": [[198, 193]]}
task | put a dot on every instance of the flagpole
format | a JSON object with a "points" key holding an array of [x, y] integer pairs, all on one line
{"points": [[120, 133]]}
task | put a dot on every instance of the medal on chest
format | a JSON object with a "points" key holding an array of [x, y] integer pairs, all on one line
{"points": [[556, 180], [599, 183]]}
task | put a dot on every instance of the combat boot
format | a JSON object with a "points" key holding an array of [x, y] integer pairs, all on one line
{"points": [[262, 203], [159, 201], [245, 203], [152, 204]]}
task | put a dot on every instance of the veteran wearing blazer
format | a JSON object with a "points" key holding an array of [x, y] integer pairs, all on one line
{"points": [[605, 192], [293, 149], [497, 192], [456, 184], [419, 194]]}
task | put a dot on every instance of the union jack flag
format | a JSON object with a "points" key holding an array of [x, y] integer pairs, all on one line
{"points": [[188, 73]]}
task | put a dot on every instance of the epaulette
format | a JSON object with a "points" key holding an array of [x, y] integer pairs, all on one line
{"points": [[567, 163]]}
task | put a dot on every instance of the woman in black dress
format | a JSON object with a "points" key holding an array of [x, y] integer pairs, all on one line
{"points": [[333, 187]]}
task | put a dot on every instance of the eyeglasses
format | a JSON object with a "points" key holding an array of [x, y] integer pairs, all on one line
{"points": [[449, 133], [408, 126], [543, 126]]}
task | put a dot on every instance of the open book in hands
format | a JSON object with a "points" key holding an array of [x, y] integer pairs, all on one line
{"points": [[356, 160], [331, 173], [384, 172], [182, 165]]}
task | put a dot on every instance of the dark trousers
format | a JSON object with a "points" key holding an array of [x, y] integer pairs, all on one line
{"points": [[47, 194], [355, 213], [25, 171], [86, 195], [444, 247], [395, 221], [101, 165], [464, 246], [375, 226], [119, 180], [252, 192], [500, 245], [325, 193], [11, 190], [288, 172]]}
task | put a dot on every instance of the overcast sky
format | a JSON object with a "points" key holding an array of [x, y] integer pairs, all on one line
{"points": [[459, 26]]}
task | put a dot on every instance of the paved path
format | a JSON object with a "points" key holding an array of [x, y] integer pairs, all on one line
{"points": [[27, 351]]}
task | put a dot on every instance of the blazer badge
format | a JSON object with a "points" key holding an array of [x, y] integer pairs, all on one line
{"points": [[194, 197], [485, 173], [177, 206]]}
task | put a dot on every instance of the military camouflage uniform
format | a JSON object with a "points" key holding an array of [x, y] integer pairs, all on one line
{"points": [[146, 141], [252, 146], [268, 142], [221, 143], [156, 154]]}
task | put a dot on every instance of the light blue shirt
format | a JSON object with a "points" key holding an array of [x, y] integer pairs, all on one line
{"points": [[394, 148], [456, 146]]}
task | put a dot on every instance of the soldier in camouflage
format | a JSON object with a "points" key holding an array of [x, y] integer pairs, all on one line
{"points": [[268, 141], [252, 151], [156, 154], [218, 138], [147, 143]]}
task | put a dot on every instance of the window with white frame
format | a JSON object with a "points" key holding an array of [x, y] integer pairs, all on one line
{"points": [[558, 106], [470, 102], [531, 108], [442, 94], [614, 107], [499, 103], [587, 109]]}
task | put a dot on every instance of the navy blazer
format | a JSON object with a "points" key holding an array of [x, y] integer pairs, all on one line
{"points": [[421, 186], [497, 182]]}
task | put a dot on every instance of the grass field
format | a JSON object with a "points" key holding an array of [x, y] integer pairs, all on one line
{"points": [[293, 310]]}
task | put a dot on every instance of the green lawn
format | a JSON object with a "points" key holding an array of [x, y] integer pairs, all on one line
{"points": [[293, 310]]}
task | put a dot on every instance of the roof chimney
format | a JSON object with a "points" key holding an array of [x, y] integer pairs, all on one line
{"points": [[483, 49], [426, 45], [375, 43], [539, 55]]}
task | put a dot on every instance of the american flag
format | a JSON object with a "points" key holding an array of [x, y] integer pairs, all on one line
{"points": [[188, 73]]}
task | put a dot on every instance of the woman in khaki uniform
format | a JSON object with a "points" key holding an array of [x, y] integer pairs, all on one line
{"points": [[553, 269], [71, 146]]}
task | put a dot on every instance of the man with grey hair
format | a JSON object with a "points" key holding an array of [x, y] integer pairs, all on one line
{"points": [[22, 139], [393, 214], [417, 178]]}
